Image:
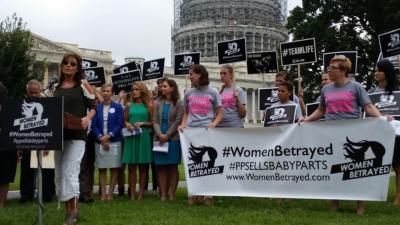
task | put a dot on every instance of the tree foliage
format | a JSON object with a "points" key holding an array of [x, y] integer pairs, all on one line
{"points": [[17, 62], [342, 25]]}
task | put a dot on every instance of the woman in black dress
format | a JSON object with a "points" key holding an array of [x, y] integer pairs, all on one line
{"points": [[8, 162]]}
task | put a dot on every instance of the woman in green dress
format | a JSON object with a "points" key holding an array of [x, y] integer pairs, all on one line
{"points": [[137, 149]]}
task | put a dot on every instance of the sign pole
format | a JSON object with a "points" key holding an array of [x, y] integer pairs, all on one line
{"points": [[298, 76], [233, 73], [186, 81], [263, 79], [40, 188]]}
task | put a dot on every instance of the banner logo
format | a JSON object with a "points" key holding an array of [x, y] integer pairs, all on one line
{"points": [[361, 167], [203, 168], [395, 40], [232, 48], [187, 61], [153, 67], [386, 100], [274, 97], [123, 69], [31, 121], [85, 64], [278, 114], [90, 75]]}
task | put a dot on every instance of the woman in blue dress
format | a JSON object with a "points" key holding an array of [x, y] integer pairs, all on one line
{"points": [[167, 117]]}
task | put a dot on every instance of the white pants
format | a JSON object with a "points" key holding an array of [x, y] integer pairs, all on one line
{"points": [[67, 168]]}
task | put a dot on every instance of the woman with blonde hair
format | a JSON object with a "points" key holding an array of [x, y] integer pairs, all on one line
{"points": [[107, 126], [137, 149]]}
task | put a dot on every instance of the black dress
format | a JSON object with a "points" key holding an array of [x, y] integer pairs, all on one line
{"points": [[8, 165]]}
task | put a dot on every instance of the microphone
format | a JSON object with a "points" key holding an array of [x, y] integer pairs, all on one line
{"points": [[47, 89]]}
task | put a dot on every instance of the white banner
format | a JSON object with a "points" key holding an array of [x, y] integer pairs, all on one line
{"points": [[348, 159]]}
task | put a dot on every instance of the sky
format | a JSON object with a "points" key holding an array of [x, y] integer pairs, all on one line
{"points": [[124, 27]]}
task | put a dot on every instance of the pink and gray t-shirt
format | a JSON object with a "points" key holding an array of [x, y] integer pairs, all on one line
{"points": [[343, 102], [202, 105], [230, 112]]}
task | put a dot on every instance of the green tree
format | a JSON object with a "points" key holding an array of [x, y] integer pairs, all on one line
{"points": [[342, 25], [17, 62]]}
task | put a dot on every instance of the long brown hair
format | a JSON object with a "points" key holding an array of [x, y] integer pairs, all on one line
{"points": [[230, 70], [144, 93], [79, 73], [175, 96]]}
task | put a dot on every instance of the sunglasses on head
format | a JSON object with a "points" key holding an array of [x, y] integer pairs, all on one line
{"points": [[65, 62]]}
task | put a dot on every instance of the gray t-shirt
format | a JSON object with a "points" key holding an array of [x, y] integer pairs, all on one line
{"points": [[343, 102], [298, 115], [230, 112], [318, 99], [202, 105]]}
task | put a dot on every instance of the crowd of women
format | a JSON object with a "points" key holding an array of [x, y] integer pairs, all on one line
{"points": [[156, 118]]}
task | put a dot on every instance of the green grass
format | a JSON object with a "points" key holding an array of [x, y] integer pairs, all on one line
{"points": [[15, 186], [225, 210]]}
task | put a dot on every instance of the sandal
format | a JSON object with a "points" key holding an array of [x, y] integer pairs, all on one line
{"points": [[86, 199], [69, 220]]}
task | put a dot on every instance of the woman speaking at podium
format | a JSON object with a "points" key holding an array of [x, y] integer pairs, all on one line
{"points": [[78, 98]]}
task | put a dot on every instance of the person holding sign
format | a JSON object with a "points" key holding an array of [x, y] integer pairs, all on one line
{"points": [[203, 107], [233, 100], [137, 148], [385, 76], [168, 115], [283, 76], [78, 98], [285, 90], [107, 126], [8, 162], [342, 100]]}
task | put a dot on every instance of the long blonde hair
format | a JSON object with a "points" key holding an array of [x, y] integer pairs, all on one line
{"points": [[144, 93]]}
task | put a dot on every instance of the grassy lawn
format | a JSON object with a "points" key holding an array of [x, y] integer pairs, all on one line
{"points": [[15, 186], [225, 210]]}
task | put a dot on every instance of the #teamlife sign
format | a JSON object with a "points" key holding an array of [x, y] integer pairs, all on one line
{"points": [[182, 62], [95, 76], [126, 68], [267, 97], [390, 43], [280, 115], [32, 123], [124, 81], [232, 51], [87, 63], [336, 162], [298, 52], [262, 62], [153, 69], [352, 55], [385, 103]]}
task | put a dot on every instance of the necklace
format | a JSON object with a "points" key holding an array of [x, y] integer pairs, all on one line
{"points": [[106, 108]]}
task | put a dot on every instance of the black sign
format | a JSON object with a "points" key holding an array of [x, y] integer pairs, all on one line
{"points": [[153, 69], [280, 115], [232, 51], [268, 96], [385, 103], [392, 59], [32, 124], [95, 76], [352, 55], [298, 52], [311, 107], [182, 62], [87, 63], [262, 62], [124, 81], [390, 43], [125, 68]]}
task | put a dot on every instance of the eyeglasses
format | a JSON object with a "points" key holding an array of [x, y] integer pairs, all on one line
{"points": [[65, 62], [331, 68]]}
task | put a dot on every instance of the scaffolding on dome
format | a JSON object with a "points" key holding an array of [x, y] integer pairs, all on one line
{"points": [[200, 24]]}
